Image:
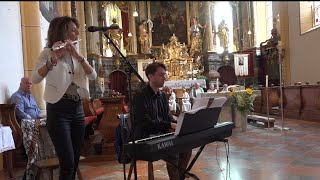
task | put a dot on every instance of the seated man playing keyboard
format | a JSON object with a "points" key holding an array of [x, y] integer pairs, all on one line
{"points": [[152, 115]]}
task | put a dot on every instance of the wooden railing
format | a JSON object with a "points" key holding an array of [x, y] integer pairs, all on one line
{"points": [[299, 102]]}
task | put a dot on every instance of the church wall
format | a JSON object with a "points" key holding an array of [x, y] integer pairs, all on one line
{"points": [[303, 49], [11, 54]]}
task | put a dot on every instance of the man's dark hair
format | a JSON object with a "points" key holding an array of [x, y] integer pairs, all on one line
{"points": [[152, 68]]}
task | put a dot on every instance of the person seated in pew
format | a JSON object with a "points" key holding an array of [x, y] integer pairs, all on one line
{"points": [[186, 105], [26, 105], [212, 89], [172, 101], [196, 91], [152, 115], [225, 89]]}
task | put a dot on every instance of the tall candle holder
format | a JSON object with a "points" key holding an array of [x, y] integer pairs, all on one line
{"points": [[279, 47]]}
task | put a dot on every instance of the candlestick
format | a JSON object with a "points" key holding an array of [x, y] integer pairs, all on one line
{"points": [[217, 84], [267, 81]]}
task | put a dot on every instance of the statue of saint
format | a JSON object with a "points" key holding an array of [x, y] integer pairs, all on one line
{"points": [[223, 34], [144, 38], [275, 38], [196, 36], [116, 36]]}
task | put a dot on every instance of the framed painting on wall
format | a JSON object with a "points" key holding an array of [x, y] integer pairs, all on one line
{"points": [[142, 65], [169, 17]]}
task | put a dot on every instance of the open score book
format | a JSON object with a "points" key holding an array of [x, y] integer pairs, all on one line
{"points": [[204, 114]]}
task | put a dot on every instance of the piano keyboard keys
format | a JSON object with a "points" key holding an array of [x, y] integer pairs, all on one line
{"points": [[152, 137]]}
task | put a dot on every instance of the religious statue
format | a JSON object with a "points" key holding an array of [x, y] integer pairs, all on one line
{"points": [[115, 35], [196, 37], [144, 38], [223, 34], [275, 38], [270, 52]]}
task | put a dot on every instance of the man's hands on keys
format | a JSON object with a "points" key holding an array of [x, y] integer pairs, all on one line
{"points": [[173, 126]]}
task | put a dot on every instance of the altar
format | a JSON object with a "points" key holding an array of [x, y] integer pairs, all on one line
{"points": [[179, 84]]}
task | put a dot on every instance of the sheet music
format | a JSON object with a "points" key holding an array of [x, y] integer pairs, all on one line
{"points": [[218, 102], [181, 117], [198, 105], [200, 102]]}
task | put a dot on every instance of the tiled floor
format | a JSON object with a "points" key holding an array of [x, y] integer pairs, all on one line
{"points": [[257, 154]]}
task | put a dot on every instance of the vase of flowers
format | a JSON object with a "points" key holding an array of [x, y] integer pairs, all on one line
{"points": [[243, 102]]}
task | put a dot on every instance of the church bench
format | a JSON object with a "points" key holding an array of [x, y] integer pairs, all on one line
{"points": [[263, 119]]}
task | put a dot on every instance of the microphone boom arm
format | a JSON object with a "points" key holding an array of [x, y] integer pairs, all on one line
{"points": [[126, 61], [130, 70]]}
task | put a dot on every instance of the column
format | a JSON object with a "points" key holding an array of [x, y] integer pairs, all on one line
{"points": [[64, 8], [206, 19], [284, 33], [194, 9], [142, 10], [82, 28], [132, 29], [91, 19], [31, 32]]}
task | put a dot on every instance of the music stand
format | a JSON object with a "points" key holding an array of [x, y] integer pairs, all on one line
{"points": [[129, 70]]}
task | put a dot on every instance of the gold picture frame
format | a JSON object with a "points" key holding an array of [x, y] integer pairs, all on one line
{"points": [[168, 18]]}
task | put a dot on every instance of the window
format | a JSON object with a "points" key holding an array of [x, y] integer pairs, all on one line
{"points": [[269, 17]]}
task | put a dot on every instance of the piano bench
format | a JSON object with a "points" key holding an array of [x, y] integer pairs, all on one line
{"points": [[263, 119], [51, 164]]}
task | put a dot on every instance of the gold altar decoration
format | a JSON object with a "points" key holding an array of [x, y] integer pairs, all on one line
{"points": [[180, 65]]}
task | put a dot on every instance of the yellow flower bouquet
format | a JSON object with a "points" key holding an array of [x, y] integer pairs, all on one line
{"points": [[243, 100]]}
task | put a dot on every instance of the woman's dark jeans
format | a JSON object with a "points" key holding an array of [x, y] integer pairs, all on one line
{"points": [[66, 126]]}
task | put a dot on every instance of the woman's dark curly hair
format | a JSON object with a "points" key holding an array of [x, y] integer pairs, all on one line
{"points": [[58, 29]]}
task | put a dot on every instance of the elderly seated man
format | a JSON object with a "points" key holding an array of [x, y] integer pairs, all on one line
{"points": [[27, 107], [196, 91], [28, 111]]}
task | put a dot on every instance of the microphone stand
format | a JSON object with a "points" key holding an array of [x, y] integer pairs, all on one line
{"points": [[129, 70]]}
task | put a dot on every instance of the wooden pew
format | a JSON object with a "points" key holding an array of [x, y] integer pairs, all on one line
{"points": [[310, 102], [292, 101], [273, 99], [16, 157]]}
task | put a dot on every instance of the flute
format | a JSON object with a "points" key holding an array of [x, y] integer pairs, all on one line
{"points": [[63, 45]]}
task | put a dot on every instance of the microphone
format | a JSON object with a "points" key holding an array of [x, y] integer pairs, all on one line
{"points": [[103, 28]]}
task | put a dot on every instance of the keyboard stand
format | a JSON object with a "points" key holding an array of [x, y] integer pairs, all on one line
{"points": [[187, 171]]}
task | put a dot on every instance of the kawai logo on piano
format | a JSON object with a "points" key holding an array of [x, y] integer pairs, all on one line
{"points": [[165, 144]]}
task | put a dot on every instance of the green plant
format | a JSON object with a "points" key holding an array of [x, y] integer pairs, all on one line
{"points": [[243, 100]]}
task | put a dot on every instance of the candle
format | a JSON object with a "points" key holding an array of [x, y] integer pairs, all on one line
{"points": [[93, 64], [217, 84], [266, 80]]}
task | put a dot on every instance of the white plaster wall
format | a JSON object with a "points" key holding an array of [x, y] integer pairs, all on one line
{"points": [[11, 54], [304, 49]]}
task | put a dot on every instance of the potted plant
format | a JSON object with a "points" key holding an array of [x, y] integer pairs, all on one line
{"points": [[243, 101]]}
